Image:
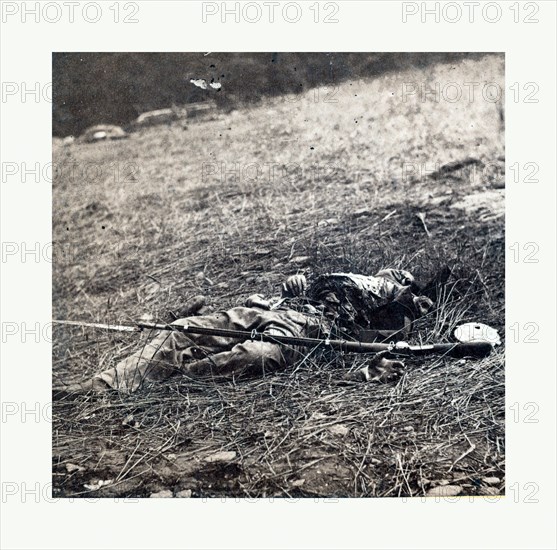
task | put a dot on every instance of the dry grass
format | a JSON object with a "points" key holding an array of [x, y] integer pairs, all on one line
{"points": [[129, 248]]}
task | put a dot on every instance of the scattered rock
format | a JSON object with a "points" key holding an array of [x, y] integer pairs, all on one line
{"points": [[97, 484], [339, 429], [491, 480], [222, 456], [162, 494], [70, 468], [445, 491], [186, 493], [298, 482]]}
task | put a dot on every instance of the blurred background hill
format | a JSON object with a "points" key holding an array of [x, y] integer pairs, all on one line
{"points": [[114, 88]]}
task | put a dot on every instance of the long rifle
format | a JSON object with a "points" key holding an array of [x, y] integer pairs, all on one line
{"points": [[476, 350]]}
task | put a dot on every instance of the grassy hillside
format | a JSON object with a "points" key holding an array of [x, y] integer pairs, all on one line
{"points": [[114, 87], [333, 179]]}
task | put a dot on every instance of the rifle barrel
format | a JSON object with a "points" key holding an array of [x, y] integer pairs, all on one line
{"points": [[470, 349]]}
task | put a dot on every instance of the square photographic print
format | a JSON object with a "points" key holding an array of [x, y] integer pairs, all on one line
{"points": [[278, 275]]}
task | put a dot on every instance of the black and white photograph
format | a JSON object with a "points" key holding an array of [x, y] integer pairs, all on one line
{"points": [[278, 275]]}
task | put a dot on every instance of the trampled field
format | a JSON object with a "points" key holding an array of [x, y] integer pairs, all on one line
{"points": [[372, 174]]}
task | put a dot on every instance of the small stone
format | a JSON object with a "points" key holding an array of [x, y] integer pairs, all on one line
{"points": [[491, 480], [339, 429], [298, 482], [162, 494], [445, 491], [186, 493], [73, 468], [222, 456], [97, 484]]}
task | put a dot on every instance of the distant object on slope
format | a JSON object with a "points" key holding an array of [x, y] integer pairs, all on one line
{"points": [[102, 132], [153, 118], [201, 108], [173, 114]]}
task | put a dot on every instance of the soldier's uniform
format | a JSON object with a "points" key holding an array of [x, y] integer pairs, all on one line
{"points": [[201, 355], [341, 301]]}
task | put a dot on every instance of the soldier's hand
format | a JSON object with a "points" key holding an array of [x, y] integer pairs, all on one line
{"points": [[380, 369], [294, 286], [384, 370]]}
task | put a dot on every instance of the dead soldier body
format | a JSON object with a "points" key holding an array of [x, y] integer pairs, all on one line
{"points": [[339, 304]]}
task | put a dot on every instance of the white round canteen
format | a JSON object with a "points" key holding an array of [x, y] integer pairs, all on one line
{"points": [[477, 332]]}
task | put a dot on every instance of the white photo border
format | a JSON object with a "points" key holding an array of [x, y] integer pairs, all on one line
{"points": [[32, 519]]}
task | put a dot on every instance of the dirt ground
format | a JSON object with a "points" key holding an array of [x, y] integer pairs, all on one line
{"points": [[354, 179]]}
